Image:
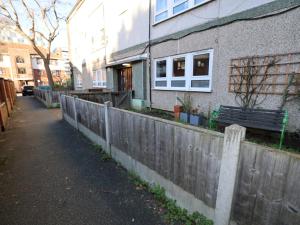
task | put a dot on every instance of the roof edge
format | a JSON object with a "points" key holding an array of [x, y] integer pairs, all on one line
{"points": [[75, 7]]}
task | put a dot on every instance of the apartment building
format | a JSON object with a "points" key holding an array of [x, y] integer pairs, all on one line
{"points": [[97, 34], [60, 72], [18, 61], [165, 49], [15, 63]]}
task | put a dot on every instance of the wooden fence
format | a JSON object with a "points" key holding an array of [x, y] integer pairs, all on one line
{"points": [[7, 101], [118, 99], [222, 177], [51, 99]]}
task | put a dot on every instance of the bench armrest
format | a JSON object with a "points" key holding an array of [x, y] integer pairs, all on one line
{"points": [[284, 124], [213, 117]]}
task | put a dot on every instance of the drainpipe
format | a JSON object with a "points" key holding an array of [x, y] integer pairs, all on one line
{"points": [[149, 53]]}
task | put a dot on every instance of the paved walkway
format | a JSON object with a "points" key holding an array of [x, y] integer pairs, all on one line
{"points": [[51, 174]]}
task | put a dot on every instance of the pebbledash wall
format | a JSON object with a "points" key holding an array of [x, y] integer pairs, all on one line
{"points": [[220, 176], [273, 35]]}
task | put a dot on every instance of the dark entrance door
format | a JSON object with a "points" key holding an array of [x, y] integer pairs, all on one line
{"points": [[125, 79]]}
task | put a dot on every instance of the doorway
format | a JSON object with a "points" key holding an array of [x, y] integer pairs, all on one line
{"points": [[125, 79]]}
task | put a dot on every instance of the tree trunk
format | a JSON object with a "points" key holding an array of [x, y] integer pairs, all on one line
{"points": [[49, 73]]}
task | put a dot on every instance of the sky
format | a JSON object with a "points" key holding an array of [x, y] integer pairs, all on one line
{"points": [[63, 7], [62, 39]]}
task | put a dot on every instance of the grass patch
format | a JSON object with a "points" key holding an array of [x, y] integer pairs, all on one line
{"points": [[173, 213]]}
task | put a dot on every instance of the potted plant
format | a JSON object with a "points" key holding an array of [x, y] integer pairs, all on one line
{"points": [[186, 108], [177, 110], [196, 118]]}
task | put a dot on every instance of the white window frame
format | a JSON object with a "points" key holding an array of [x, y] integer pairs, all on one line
{"points": [[170, 6], [188, 76], [161, 78], [156, 13], [98, 82], [178, 3], [179, 78]]}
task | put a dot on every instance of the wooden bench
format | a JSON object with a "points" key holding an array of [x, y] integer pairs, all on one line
{"points": [[264, 119]]}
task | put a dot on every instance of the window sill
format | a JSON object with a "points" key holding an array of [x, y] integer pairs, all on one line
{"points": [[99, 86], [181, 89]]}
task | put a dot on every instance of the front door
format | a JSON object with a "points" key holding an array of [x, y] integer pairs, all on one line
{"points": [[125, 79]]}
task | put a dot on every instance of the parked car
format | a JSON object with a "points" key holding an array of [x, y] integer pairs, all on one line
{"points": [[27, 90]]}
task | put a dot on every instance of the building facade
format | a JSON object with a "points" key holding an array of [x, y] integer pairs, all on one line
{"points": [[60, 72], [106, 29], [163, 50], [16, 64], [18, 61]]}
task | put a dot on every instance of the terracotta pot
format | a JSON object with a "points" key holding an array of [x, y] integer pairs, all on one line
{"points": [[177, 110]]}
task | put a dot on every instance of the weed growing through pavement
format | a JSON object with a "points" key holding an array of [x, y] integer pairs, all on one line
{"points": [[173, 213], [104, 155]]}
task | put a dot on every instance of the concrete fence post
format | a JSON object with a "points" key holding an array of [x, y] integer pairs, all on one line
{"points": [[75, 111], [48, 99], [60, 96], [107, 128], [234, 134]]}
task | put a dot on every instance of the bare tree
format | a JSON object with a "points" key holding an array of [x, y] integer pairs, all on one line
{"points": [[287, 96], [42, 21], [250, 83]]}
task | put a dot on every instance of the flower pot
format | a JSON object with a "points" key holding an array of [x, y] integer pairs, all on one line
{"points": [[177, 111], [184, 117], [196, 120]]}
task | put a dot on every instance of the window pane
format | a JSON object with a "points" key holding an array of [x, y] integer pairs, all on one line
{"points": [[181, 7], [161, 5], [201, 65], [161, 83], [161, 16], [19, 59], [199, 1], [178, 83], [178, 67], [21, 70], [200, 83], [161, 67]]}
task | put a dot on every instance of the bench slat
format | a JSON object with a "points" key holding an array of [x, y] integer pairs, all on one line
{"points": [[252, 125], [253, 118], [256, 110]]}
